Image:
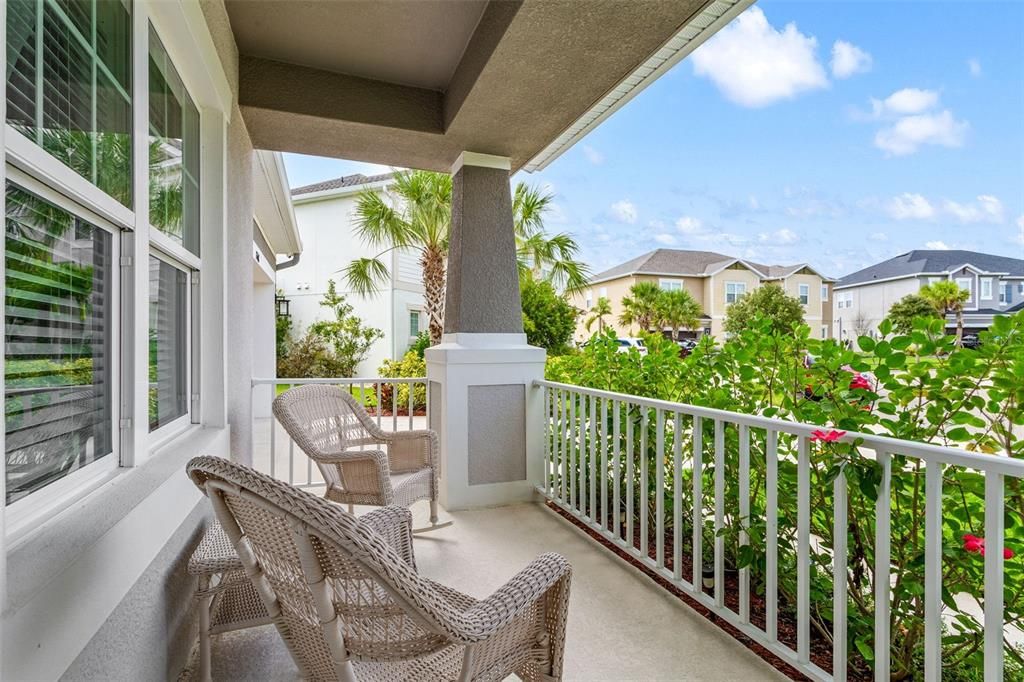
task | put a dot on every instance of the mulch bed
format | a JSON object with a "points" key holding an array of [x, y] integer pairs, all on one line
{"points": [[401, 413], [821, 650]]}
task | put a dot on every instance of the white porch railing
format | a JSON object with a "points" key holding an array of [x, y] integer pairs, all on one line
{"points": [[275, 452], [598, 468]]}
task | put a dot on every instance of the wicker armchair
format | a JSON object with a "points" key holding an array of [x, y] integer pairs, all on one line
{"points": [[360, 463], [346, 598]]}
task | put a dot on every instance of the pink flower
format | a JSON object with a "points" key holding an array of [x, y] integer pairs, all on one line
{"points": [[861, 382], [976, 545], [830, 437]]}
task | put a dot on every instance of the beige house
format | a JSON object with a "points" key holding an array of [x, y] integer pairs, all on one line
{"points": [[715, 280]]}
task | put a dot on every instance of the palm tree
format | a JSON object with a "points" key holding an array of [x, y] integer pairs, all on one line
{"points": [[537, 251], [678, 309], [948, 297], [597, 313], [420, 220], [641, 306]]}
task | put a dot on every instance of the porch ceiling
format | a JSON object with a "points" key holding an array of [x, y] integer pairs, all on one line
{"points": [[415, 82]]}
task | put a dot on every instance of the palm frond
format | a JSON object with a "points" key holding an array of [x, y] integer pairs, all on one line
{"points": [[364, 275]]}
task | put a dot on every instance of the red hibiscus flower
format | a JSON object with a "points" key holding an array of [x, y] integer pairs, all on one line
{"points": [[861, 382], [830, 437], [976, 545]]}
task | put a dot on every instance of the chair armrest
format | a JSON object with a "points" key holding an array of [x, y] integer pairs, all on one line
{"points": [[394, 524], [361, 471], [487, 617]]}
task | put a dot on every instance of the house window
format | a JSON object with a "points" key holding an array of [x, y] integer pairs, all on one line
{"points": [[590, 299], [967, 284], [734, 290], [59, 355], [69, 86], [824, 331], [173, 152], [414, 323], [824, 293], [805, 293], [844, 299], [168, 342], [670, 285], [1005, 289], [603, 292], [986, 287]]}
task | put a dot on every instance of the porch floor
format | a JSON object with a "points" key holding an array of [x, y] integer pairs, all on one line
{"points": [[620, 625]]}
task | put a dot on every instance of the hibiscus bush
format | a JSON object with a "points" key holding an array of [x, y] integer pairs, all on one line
{"points": [[917, 386]]}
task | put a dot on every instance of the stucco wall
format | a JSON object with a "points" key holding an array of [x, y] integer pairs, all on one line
{"points": [[870, 301]]}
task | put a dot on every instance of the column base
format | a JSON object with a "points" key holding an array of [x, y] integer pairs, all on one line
{"points": [[488, 416]]}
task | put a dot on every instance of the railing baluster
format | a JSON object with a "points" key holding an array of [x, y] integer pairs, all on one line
{"points": [[994, 502], [644, 500], [659, 489], [412, 390], [574, 432], [803, 551], [563, 433], [933, 572], [273, 442], [549, 433], [604, 464], [771, 543], [744, 465], [593, 460], [719, 513], [839, 573], [677, 497], [629, 475], [394, 406], [698, 504], [291, 461], [883, 538], [380, 403], [616, 474]]}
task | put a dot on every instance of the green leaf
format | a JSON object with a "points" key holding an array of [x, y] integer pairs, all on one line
{"points": [[866, 343]]}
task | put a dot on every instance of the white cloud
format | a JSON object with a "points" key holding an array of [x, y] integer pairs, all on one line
{"points": [[754, 64], [593, 156], [624, 211], [986, 208], [908, 206], [974, 66], [783, 236], [848, 59], [909, 133], [665, 238], [905, 101], [879, 237], [689, 225], [1020, 235], [937, 246]]}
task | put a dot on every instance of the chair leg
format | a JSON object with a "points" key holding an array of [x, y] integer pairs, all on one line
{"points": [[433, 512], [204, 631], [434, 525], [351, 508]]}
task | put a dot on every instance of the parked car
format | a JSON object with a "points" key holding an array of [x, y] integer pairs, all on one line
{"points": [[631, 342], [970, 341], [686, 346]]}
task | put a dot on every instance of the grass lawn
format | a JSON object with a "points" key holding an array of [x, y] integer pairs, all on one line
{"points": [[366, 395], [873, 361]]}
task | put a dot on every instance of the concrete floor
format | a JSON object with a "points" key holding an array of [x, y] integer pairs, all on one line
{"points": [[621, 627]]}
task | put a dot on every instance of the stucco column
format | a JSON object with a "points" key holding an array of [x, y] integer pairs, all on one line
{"points": [[482, 401]]}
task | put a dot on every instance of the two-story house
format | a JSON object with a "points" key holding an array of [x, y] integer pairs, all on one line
{"points": [[715, 281], [863, 299], [325, 213]]}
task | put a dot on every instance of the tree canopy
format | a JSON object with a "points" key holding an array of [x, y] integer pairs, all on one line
{"points": [[912, 306], [548, 319], [769, 301]]}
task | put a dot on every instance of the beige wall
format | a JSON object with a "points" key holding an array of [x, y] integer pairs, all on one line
{"points": [[827, 315], [812, 311], [615, 290], [716, 294]]}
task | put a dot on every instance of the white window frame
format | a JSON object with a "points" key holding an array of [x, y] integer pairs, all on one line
{"points": [[739, 290], [960, 282], [824, 293], [163, 434], [670, 284], [24, 515], [419, 321], [824, 331], [986, 288], [803, 292], [1005, 292]]}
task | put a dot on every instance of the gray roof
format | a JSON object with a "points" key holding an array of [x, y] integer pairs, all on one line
{"points": [[339, 183], [694, 263], [924, 261]]}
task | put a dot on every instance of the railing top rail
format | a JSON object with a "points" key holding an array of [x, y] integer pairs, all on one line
{"points": [[925, 451], [339, 380]]}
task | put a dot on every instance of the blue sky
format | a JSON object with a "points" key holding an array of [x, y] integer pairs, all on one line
{"points": [[833, 133]]}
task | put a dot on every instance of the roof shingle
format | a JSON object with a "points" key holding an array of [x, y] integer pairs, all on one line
{"points": [[338, 183], [682, 262], [933, 261]]}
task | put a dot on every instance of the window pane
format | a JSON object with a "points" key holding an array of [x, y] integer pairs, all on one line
{"points": [[168, 339], [69, 85], [414, 323], [173, 151], [58, 356]]}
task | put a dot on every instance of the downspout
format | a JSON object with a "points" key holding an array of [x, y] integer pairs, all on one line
{"points": [[290, 263]]}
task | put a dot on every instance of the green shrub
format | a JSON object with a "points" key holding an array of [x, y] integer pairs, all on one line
{"points": [[410, 366]]}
